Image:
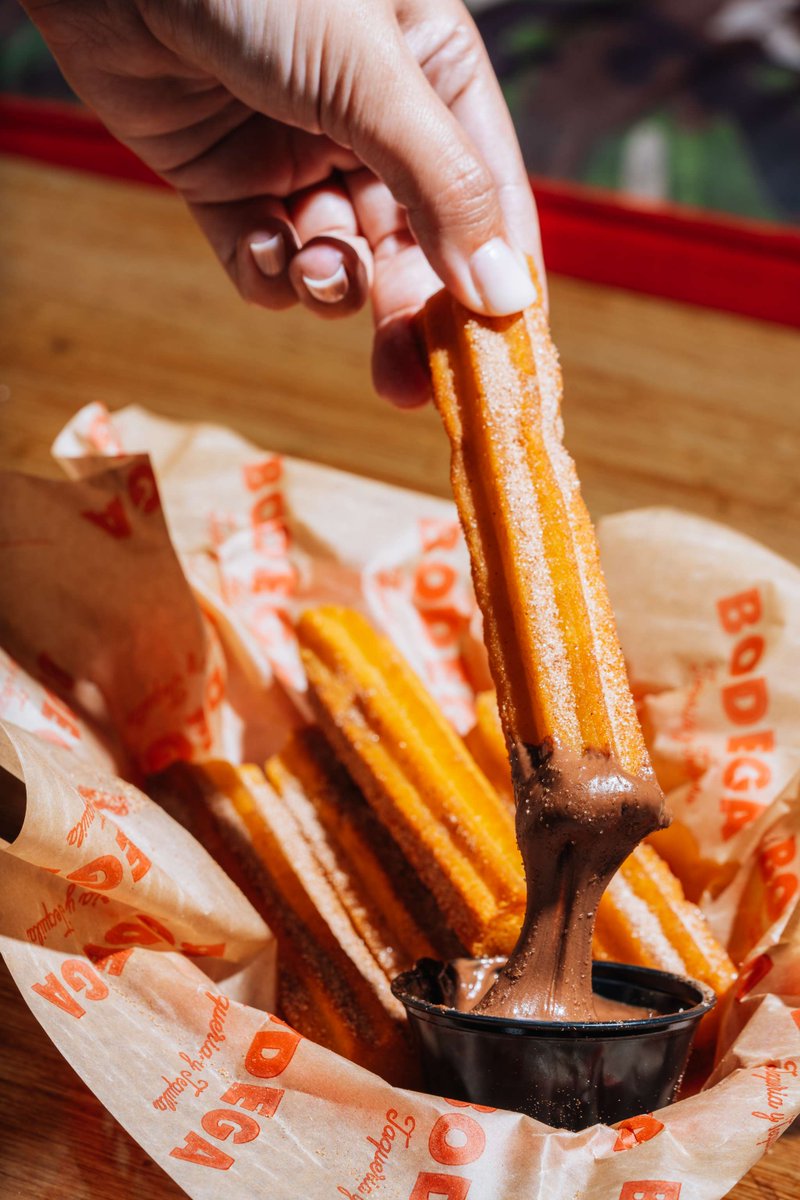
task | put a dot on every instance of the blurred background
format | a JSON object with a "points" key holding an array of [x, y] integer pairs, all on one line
{"points": [[695, 102]]}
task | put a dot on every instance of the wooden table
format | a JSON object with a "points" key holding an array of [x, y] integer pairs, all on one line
{"points": [[108, 293]]}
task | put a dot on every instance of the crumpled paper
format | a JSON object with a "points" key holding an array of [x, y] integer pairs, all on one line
{"points": [[145, 623]]}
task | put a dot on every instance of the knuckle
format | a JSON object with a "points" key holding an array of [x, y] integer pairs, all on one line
{"points": [[451, 56], [467, 195]]}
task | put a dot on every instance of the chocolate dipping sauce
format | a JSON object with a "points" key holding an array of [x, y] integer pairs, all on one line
{"points": [[578, 818], [473, 978]]}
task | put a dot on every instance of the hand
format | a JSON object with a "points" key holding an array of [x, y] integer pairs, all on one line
{"points": [[331, 150]]}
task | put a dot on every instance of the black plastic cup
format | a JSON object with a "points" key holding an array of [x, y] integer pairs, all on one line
{"points": [[568, 1074]]}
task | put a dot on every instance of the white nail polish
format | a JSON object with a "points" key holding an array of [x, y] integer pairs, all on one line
{"points": [[501, 279], [331, 289], [269, 254]]}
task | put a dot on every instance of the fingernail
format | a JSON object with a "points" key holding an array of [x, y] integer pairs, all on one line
{"points": [[331, 289], [501, 280], [269, 254]]}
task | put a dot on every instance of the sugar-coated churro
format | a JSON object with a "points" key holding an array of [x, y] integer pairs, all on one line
{"points": [[332, 988], [417, 774], [645, 918], [359, 861], [584, 787]]}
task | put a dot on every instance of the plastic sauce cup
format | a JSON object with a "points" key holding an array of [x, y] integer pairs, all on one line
{"points": [[568, 1074]]}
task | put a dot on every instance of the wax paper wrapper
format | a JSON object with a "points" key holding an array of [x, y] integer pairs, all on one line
{"points": [[146, 608]]}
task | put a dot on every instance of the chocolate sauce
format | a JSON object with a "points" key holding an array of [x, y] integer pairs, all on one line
{"points": [[472, 978], [615, 1010], [578, 818]]}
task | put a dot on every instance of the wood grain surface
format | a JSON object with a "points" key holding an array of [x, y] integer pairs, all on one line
{"points": [[107, 292]]}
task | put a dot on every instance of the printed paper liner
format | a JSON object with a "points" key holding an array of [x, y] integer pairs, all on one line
{"points": [[149, 970]]}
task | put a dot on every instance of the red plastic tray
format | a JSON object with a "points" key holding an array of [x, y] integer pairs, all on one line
{"points": [[739, 266]]}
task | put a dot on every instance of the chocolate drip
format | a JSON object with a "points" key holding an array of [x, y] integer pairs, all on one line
{"points": [[578, 818]]}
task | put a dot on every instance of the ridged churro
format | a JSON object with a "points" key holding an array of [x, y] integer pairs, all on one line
{"points": [[417, 774], [644, 918], [584, 787], [332, 987], [356, 854]]}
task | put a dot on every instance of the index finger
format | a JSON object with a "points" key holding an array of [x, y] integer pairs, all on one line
{"points": [[446, 43]]}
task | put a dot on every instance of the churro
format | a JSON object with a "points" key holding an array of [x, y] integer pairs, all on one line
{"points": [[332, 987], [373, 883], [422, 783], [645, 918], [584, 787]]}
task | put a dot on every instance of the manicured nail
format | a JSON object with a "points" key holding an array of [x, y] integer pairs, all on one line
{"points": [[269, 253], [331, 289], [501, 280]]}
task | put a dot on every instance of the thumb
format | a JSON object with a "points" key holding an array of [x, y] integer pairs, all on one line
{"points": [[404, 132]]}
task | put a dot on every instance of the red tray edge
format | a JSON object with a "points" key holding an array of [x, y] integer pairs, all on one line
{"points": [[738, 266]]}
